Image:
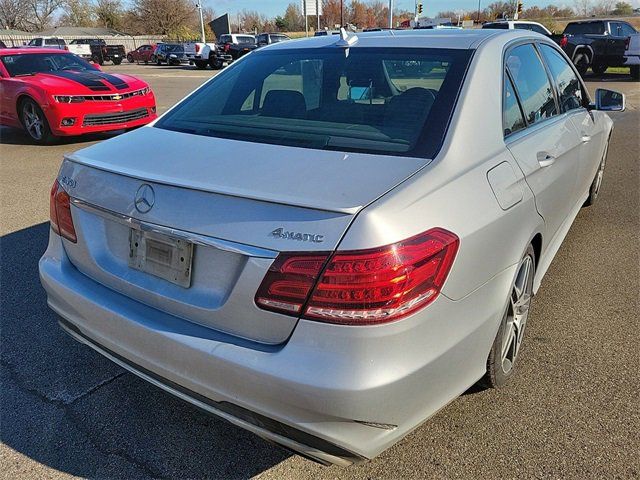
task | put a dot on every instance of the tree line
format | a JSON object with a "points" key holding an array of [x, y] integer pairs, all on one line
{"points": [[180, 18]]}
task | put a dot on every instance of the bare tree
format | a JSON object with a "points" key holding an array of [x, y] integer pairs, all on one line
{"points": [[109, 14], [166, 17], [582, 7], [77, 13], [13, 14], [40, 13]]}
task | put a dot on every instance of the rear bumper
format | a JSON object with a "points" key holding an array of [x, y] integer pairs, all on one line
{"points": [[335, 394]]}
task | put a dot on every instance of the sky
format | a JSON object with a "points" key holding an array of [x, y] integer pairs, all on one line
{"points": [[271, 8]]}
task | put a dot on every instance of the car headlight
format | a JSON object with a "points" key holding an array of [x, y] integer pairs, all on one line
{"points": [[68, 99]]}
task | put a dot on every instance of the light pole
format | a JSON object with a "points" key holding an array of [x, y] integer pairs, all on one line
{"points": [[199, 6], [390, 13], [478, 12]]}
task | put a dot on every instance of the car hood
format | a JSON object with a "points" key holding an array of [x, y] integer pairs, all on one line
{"points": [[318, 179], [85, 83]]}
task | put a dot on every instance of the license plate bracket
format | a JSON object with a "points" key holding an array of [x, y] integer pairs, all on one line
{"points": [[160, 255]]}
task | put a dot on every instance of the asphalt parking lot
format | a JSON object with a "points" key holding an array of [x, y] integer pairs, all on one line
{"points": [[572, 411]]}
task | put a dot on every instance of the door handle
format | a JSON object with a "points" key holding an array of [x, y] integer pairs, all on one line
{"points": [[545, 159], [585, 138]]}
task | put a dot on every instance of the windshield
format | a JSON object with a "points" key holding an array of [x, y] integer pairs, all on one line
{"points": [[32, 63], [385, 100]]}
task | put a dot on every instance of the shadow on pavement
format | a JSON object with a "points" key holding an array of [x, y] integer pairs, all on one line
{"points": [[66, 407], [16, 136]]}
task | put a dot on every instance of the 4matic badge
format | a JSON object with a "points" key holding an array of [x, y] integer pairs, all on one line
{"points": [[301, 237]]}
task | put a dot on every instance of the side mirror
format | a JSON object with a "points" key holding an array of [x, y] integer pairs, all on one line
{"points": [[609, 101]]}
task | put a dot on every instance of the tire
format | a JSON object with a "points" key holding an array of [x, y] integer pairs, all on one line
{"points": [[129, 59], [599, 69], [97, 59], [582, 61], [594, 190], [507, 345], [215, 63], [117, 61], [200, 64], [35, 122], [635, 72]]}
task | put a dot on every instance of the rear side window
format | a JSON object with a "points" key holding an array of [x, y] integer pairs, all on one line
{"points": [[512, 118], [225, 38], [531, 27], [621, 29], [532, 83], [584, 28], [499, 26], [376, 100], [567, 83]]}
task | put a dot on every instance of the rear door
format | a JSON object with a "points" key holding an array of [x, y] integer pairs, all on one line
{"points": [[544, 141], [573, 102]]}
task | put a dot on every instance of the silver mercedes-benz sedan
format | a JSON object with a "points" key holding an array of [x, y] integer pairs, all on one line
{"points": [[332, 238]]}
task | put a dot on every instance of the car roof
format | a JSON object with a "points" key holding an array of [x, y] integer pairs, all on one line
{"points": [[19, 51], [428, 38]]}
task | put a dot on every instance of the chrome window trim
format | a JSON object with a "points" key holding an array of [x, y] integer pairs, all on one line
{"points": [[195, 238]]}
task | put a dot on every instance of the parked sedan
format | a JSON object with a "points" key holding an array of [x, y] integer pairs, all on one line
{"points": [[351, 242], [141, 54], [53, 93], [169, 53]]}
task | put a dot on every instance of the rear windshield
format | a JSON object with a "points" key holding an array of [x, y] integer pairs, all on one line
{"points": [[584, 28], [382, 100]]}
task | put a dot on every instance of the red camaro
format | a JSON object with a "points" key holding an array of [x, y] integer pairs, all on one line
{"points": [[53, 93]]}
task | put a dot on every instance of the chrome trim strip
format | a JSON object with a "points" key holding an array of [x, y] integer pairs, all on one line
{"points": [[227, 246]]}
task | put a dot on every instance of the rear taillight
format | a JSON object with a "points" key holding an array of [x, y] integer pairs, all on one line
{"points": [[563, 41], [197, 48], [60, 213], [227, 47], [360, 287]]}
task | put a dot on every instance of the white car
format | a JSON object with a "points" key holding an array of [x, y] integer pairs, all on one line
{"points": [[352, 240], [518, 25]]}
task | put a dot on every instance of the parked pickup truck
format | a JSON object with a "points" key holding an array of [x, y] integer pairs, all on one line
{"points": [[233, 46], [200, 54], [59, 43], [101, 52], [632, 56], [598, 44]]}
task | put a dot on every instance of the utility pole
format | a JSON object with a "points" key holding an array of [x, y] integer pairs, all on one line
{"points": [[199, 6], [306, 19], [390, 13], [318, 13], [478, 20], [341, 13]]}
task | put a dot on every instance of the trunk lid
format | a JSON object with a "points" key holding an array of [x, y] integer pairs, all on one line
{"points": [[238, 203]]}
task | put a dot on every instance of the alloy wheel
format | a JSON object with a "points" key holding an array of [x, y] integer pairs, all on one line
{"points": [[33, 121], [517, 314]]}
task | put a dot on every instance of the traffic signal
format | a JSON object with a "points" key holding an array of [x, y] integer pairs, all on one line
{"points": [[419, 8], [519, 6]]}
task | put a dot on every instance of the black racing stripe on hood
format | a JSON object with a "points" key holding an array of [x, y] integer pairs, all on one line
{"points": [[88, 79], [113, 80]]}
